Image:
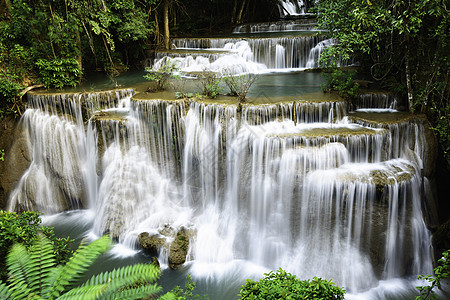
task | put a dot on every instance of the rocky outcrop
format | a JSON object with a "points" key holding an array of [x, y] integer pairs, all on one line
{"points": [[17, 158], [174, 241]]}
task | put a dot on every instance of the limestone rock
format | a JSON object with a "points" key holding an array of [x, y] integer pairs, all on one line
{"points": [[174, 242], [14, 141], [151, 243], [178, 249]]}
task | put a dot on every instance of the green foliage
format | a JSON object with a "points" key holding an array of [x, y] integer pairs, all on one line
{"points": [[283, 285], [24, 228], [187, 293], [34, 274], [98, 34], [180, 95], [342, 82], [442, 128], [2, 154], [9, 86], [9, 92], [400, 44], [59, 72], [210, 83], [239, 85], [442, 271], [167, 70]]}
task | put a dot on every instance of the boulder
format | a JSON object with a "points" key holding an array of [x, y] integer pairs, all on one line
{"points": [[178, 249], [151, 243], [174, 242]]}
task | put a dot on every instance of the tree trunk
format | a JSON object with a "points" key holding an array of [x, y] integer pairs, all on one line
{"points": [[408, 78], [166, 25], [233, 14], [157, 31], [241, 11]]}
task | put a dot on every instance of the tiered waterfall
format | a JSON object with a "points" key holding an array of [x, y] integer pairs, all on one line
{"points": [[300, 184]]}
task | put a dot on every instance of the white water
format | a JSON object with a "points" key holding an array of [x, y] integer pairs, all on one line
{"points": [[291, 8], [280, 185], [244, 55]]}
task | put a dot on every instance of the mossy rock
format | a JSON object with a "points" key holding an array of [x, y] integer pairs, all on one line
{"points": [[179, 248], [151, 243]]}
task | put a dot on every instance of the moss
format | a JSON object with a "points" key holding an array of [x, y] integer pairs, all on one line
{"points": [[383, 119]]}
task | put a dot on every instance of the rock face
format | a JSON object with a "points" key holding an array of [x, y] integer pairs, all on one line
{"points": [[441, 238], [17, 159], [174, 241]]}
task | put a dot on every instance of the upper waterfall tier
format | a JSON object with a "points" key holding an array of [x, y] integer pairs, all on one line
{"points": [[293, 9], [245, 54], [279, 26]]}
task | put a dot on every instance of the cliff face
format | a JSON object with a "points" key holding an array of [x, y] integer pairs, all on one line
{"points": [[17, 158]]}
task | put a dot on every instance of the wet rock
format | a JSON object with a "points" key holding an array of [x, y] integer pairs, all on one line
{"points": [[178, 249], [151, 243], [17, 157], [174, 242]]}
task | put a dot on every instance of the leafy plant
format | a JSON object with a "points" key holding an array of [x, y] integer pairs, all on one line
{"points": [[59, 72], [210, 83], [180, 95], [342, 82], [9, 92], [283, 285], [35, 274], [442, 271], [162, 73], [239, 85], [24, 228], [187, 293], [2, 154]]}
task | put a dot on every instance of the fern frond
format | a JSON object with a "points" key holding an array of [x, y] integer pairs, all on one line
{"points": [[17, 262], [42, 261], [140, 292], [168, 296], [125, 276], [81, 260], [20, 290], [85, 293], [5, 292]]}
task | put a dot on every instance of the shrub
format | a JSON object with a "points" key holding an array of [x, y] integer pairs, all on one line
{"points": [[442, 271], [210, 83], [165, 70], [59, 72], [187, 293], [342, 82], [239, 85], [283, 285]]}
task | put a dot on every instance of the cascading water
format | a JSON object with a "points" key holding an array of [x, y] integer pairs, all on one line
{"points": [[239, 55], [291, 8], [280, 185], [299, 184]]}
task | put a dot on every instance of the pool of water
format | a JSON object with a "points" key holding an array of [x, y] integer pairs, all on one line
{"points": [[217, 281]]}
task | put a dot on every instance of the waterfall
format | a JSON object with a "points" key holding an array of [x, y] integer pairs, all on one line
{"points": [[243, 55], [279, 26], [373, 100], [298, 185], [291, 8]]}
